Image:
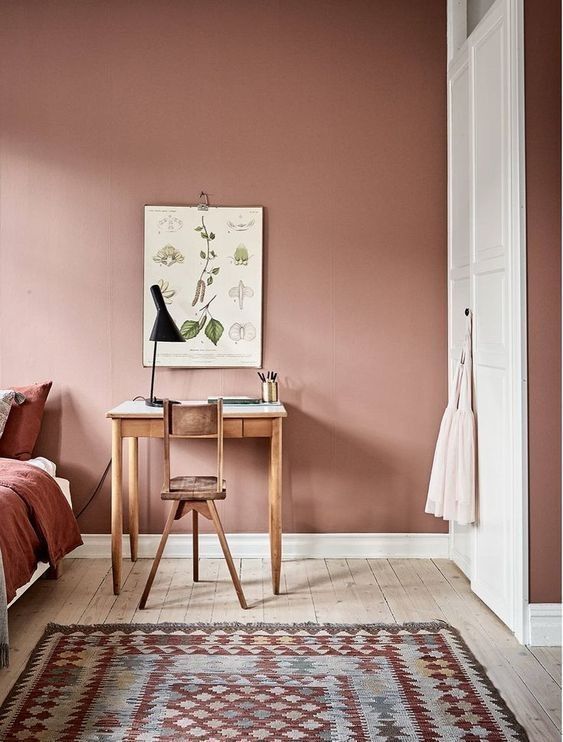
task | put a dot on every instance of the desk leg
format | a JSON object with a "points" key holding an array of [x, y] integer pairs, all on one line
{"points": [[116, 503], [275, 495], [133, 496]]}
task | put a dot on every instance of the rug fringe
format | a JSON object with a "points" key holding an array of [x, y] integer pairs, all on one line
{"points": [[166, 627]]}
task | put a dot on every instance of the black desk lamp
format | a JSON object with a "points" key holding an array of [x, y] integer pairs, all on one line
{"points": [[164, 330]]}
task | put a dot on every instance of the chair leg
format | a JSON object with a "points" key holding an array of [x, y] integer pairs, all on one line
{"points": [[226, 552], [162, 544], [195, 545]]}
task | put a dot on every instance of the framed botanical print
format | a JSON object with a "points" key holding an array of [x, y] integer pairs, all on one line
{"points": [[208, 264]]}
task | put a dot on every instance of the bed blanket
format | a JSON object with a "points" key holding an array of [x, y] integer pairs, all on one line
{"points": [[36, 524]]}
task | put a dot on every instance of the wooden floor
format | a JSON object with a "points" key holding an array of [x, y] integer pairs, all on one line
{"points": [[332, 590]]}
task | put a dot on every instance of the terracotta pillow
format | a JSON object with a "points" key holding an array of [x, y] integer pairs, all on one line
{"points": [[24, 422]]}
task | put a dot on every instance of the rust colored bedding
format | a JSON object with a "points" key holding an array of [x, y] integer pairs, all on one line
{"points": [[36, 522]]}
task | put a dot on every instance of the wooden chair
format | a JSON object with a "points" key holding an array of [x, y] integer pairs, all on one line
{"points": [[195, 494]]}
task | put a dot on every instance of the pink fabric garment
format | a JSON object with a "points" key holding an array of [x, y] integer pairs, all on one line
{"points": [[451, 492]]}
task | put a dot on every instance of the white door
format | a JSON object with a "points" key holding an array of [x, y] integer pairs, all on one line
{"points": [[459, 247], [486, 269]]}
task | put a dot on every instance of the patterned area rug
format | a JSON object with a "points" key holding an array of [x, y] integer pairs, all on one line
{"points": [[254, 682]]}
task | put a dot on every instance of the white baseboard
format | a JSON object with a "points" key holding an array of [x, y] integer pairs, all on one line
{"points": [[544, 624], [462, 562], [295, 545]]}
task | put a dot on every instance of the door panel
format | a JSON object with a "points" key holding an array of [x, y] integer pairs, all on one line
{"points": [[485, 168], [459, 232], [492, 569], [490, 321], [489, 126], [491, 577], [459, 167], [459, 252]]}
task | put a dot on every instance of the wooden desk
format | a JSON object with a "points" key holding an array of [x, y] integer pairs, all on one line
{"points": [[134, 420]]}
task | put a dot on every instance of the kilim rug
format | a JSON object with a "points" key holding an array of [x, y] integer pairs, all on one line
{"points": [[254, 682]]}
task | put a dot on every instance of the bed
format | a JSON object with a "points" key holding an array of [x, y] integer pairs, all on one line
{"points": [[42, 567], [38, 525]]}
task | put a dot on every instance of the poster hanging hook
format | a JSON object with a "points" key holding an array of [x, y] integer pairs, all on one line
{"points": [[203, 206]]}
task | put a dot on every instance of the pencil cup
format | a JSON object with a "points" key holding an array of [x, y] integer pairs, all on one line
{"points": [[269, 391]]}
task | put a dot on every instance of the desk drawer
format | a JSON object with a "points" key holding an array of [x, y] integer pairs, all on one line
{"points": [[257, 428], [142, 428], [232, 427]]}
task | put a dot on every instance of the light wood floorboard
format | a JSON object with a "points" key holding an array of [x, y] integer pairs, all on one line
{"points": [[550, 659], [332, 590]]}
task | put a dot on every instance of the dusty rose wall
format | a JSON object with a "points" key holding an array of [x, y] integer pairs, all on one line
{"points": [[543, 185], [331, 115]]}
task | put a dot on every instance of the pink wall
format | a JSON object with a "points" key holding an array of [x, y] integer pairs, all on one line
{"points": [[543, 195], [332, 116]]}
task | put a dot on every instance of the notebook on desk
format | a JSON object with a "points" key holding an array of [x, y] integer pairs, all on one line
{"points": [[239, 400]]}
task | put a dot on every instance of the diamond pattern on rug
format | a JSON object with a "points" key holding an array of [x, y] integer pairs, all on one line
{"points": [[254, 682]]}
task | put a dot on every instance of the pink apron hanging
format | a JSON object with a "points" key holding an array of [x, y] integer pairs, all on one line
{"points": [[451, 492]]}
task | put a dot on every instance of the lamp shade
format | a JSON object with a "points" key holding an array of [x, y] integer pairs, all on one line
{"points": [[164, 329]]}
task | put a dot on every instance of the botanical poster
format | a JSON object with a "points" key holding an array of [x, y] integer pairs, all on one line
{"points": [[208, 264]]}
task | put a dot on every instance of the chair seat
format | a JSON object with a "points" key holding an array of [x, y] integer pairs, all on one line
{"points": [[194, 488]]}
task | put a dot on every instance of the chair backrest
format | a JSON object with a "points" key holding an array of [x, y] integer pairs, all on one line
{"points": [[193, 421]]}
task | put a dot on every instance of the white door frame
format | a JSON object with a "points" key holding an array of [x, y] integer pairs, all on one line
{"points": [[456, 29]]}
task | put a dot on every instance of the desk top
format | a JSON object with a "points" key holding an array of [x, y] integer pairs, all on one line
{"points": [[138, 409]]}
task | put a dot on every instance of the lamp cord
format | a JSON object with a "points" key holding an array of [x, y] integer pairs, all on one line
{"points": [[95, 492], [102, 478]]}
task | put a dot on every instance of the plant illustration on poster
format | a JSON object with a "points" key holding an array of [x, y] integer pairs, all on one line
{"points": [[211, 282]]}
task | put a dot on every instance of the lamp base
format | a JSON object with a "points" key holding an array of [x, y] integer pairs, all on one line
{"points": [[154, 402]]}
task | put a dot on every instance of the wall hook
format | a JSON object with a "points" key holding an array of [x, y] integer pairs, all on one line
{"points": [[203, 206]]}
